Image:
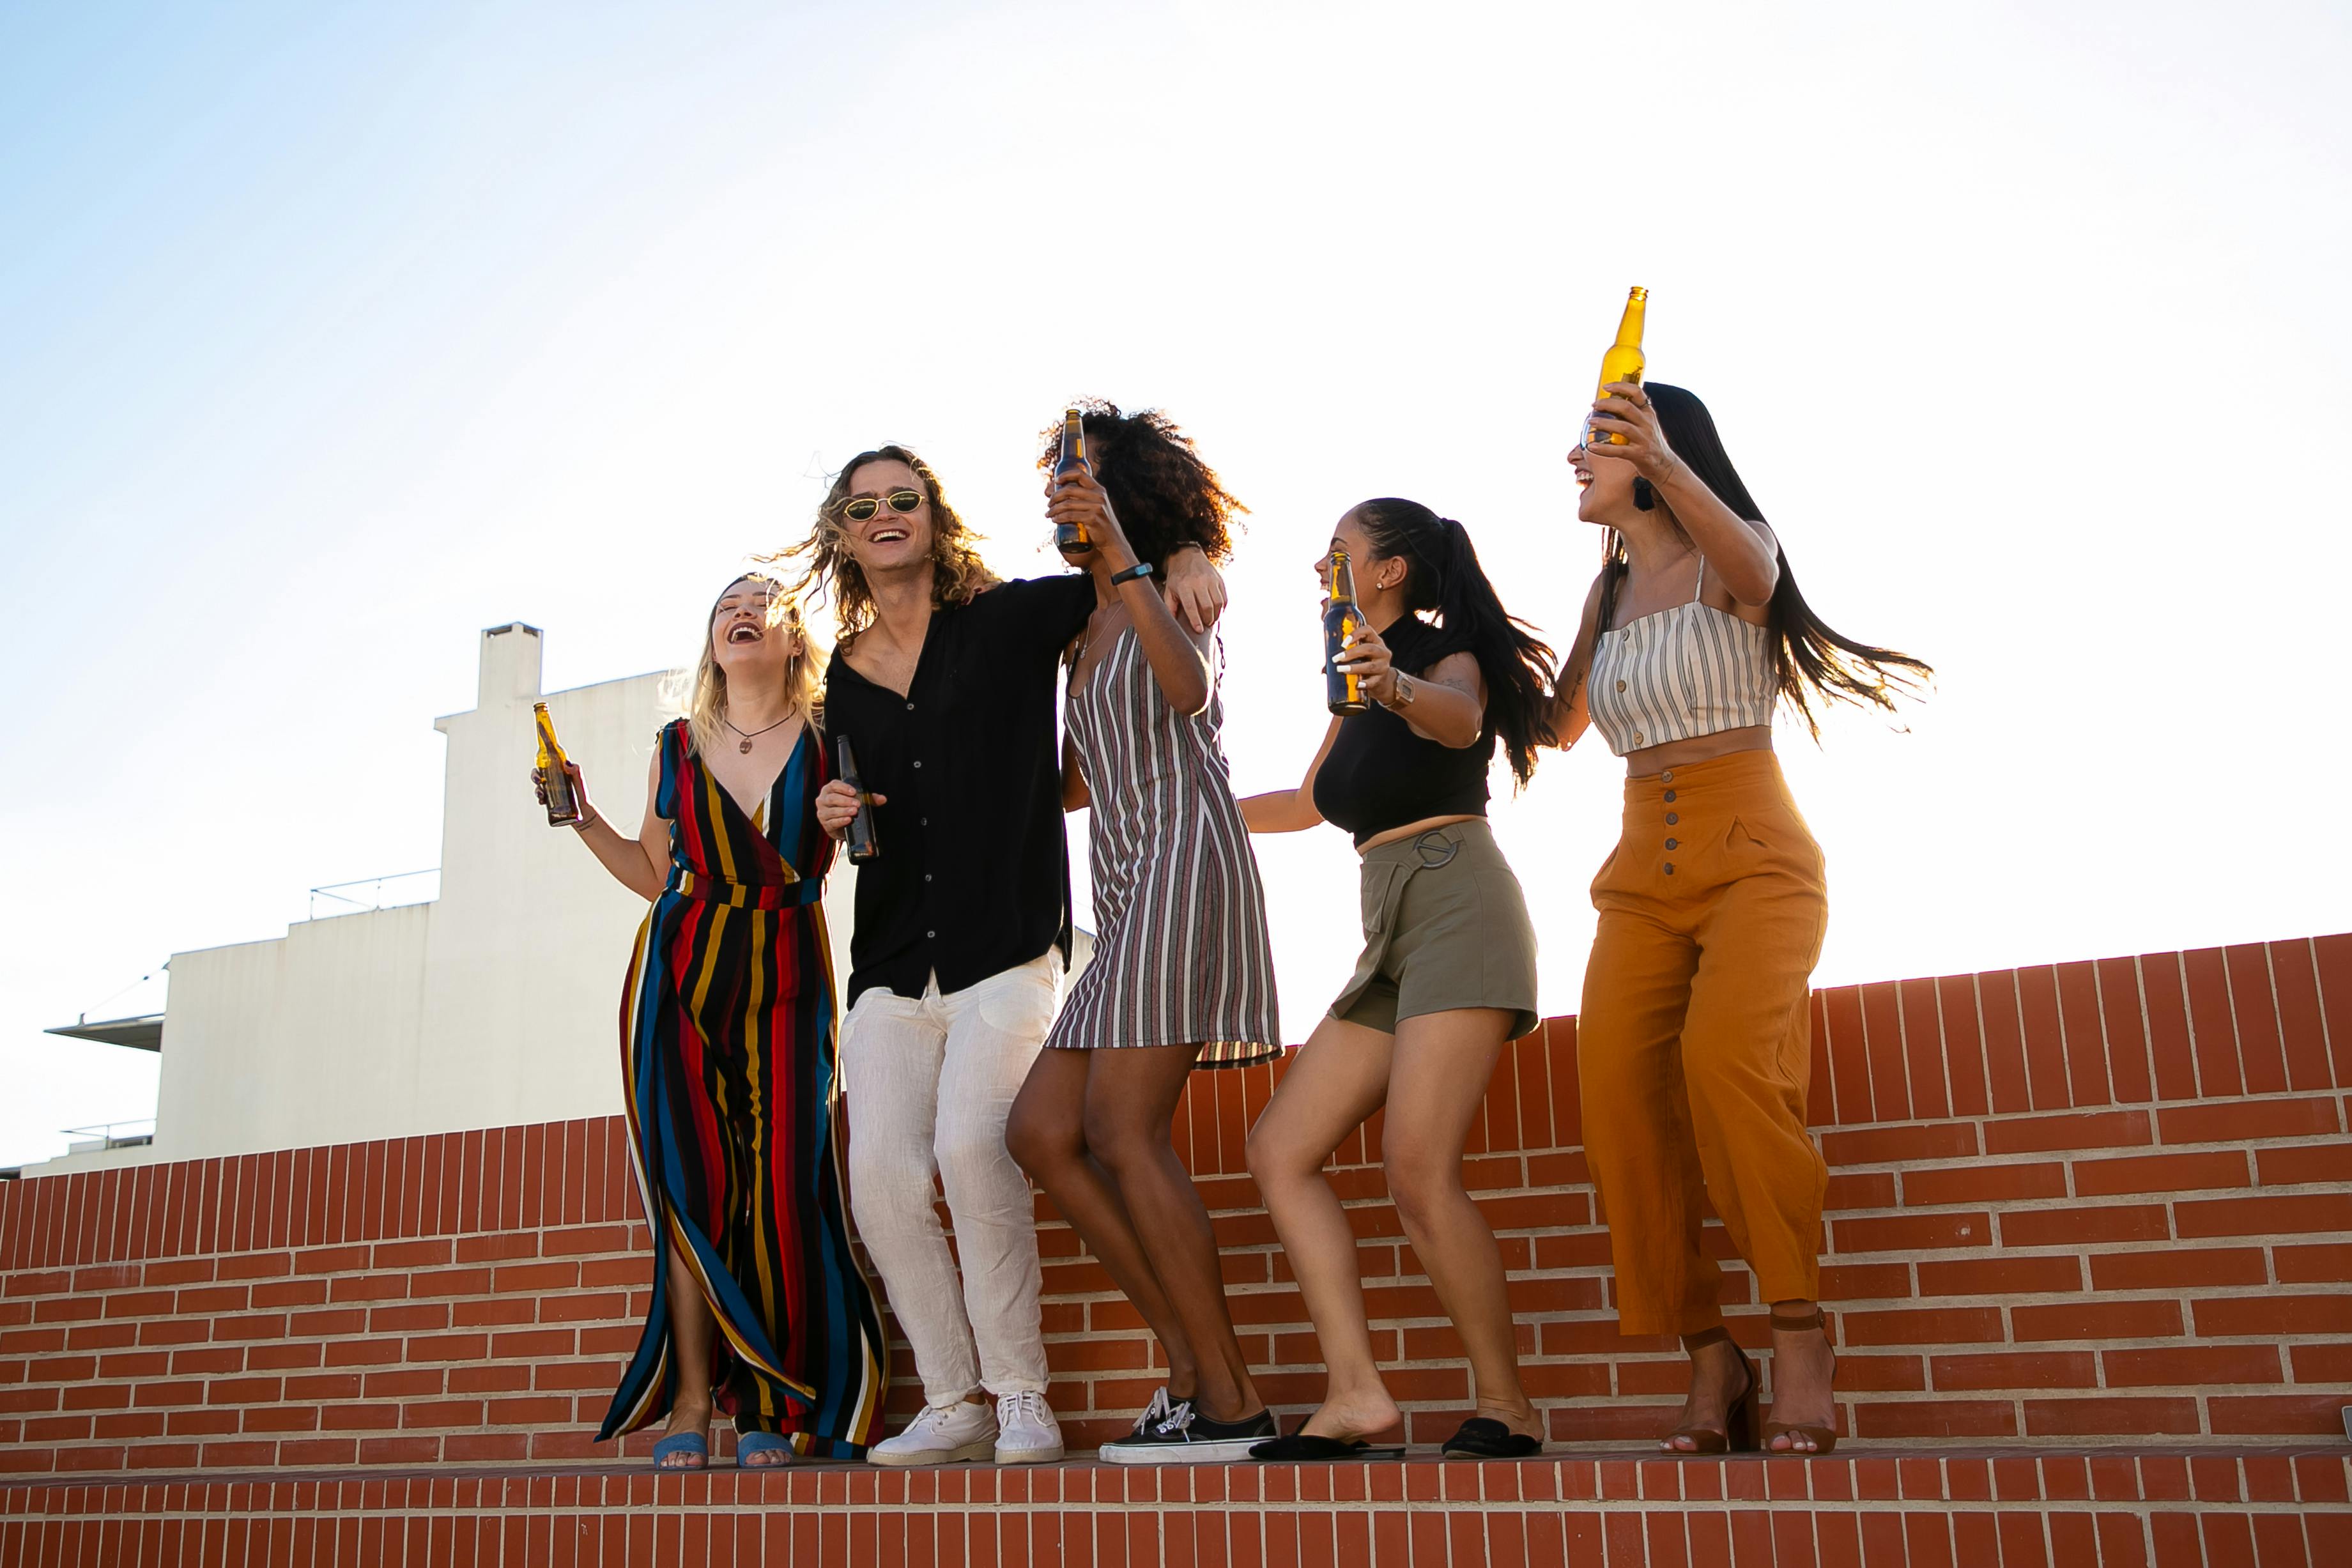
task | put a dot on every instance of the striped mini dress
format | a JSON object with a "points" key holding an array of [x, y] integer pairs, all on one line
{"points": [[726, 1054], [1182, 955]]}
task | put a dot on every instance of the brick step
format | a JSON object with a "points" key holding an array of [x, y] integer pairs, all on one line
{"points": [[1877, 1507]]}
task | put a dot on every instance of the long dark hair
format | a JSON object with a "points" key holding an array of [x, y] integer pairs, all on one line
{"points": [[1166, 495], [1808, 655], [1443, 573]]}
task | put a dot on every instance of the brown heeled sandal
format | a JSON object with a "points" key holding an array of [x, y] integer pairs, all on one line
{"points": [[1824, 1437], [1739, 1434]]}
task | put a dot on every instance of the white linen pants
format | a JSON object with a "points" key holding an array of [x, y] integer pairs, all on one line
{"points": [[930, 1083]]}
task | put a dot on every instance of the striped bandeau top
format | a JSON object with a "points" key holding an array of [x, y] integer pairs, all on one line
{"points": [[1687, 670]]}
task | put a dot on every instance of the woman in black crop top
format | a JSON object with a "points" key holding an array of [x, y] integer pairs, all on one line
{"points": [[1447, 976]]}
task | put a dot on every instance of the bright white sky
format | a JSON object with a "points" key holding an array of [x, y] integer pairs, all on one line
{"points": [[334, 334]]}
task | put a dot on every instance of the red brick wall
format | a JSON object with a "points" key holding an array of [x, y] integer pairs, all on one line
{"points": [[2098, 1200]]}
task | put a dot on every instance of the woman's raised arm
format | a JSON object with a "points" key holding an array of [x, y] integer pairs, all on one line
{"points": [[639, 864]]}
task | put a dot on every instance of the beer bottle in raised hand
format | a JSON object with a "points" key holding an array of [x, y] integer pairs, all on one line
{"points": [[1070, 538], [862, 845], [562, 800], [1622, 361], [1342, 692]]}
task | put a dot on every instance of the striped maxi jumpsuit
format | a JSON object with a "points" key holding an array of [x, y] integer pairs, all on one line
{"points": [[726, 1035]]}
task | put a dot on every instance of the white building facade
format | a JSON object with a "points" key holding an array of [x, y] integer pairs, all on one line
{"points": [[495, 1004]]}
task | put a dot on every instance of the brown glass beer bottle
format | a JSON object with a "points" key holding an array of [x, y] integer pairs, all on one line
{"points": [[862, 845], [562, 800], [1342, 692], [1070, 538]]}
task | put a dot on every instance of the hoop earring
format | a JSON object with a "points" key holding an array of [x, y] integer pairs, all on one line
{"points": [[1646, 494]]}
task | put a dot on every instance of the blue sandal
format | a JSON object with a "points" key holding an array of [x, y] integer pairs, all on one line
{"points": [[749, 1443], [690, 1443]]}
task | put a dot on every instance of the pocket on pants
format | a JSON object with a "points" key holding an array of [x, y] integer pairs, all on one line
{"points": [[1602, 887], [1769, 841], [878, 1010], [1021, 1002], [1381, 886]]}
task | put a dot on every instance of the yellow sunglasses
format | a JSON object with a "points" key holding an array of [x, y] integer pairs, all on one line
{"points": [[863, 507]]}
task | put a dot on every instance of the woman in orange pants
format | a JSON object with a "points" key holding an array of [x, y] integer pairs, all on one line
{"points": [[1692, 1046]]}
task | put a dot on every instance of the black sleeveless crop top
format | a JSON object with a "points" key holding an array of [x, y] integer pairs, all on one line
{"points": [[1378, 775]]}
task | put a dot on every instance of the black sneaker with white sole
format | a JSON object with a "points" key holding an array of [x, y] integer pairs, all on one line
{"points": [[1173, 1432]]}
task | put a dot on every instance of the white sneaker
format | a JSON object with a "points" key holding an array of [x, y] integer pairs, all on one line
{"points": [[942, 1435], [1027, 1433]]}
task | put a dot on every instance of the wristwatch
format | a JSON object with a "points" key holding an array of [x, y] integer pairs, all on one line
{"points": [[1402, 697]]}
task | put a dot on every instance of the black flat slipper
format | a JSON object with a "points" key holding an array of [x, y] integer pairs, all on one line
{"points": [[1305, 1448], [1484, 1437]]}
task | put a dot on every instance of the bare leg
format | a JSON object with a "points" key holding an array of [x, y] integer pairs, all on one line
{"points": [[1047, 1133], [1441, 1066], [1131, 1099], [1803, 1369], [689, 1340], [1338, 1079]]}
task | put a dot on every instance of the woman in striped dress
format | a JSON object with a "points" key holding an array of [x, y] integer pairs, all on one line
{"points": [[1182, 974], [727, 1040]]}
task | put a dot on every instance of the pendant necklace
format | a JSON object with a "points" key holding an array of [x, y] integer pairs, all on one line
{"points": [[745, 746]]}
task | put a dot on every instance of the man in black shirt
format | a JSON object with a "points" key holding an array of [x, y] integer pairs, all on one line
{"points": [[944, 682]]}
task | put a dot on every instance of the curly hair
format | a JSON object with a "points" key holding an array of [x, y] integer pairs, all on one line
{"points": [[1166, 497], [831, 572]]}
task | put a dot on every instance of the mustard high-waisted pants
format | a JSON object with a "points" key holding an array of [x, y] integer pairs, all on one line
{"points": [[1693, 1048]]}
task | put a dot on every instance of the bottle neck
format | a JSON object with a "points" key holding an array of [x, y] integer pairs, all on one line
{"points": [[1629, 327]]}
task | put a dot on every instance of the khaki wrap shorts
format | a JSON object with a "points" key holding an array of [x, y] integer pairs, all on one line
{"points": [[1445, 927]]}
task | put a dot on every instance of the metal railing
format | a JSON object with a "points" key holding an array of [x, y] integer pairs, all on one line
{"points": [[415, 891], [109, 1134]]}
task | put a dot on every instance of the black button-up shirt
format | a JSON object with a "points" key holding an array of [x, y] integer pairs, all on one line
{"points": [[975, 874]]}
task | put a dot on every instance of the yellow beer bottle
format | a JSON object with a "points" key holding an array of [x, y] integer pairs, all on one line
{"points": [[1622, 361], [1342, 692], [562, 800], [1070, 538]]}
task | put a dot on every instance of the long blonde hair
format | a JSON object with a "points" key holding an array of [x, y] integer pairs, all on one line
{"points": [[831, 571], [703, 693]]}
